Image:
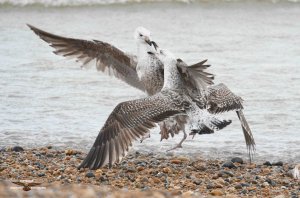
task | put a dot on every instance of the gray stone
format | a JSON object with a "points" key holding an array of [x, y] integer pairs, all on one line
{"points": [[228, 165], [90, 174], [237, 160], [17, 149]]}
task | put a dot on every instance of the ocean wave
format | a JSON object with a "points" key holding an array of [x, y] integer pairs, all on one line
{"points": [[58, 3]]}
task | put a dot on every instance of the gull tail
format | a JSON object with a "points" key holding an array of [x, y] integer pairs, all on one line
{"points": [[203, 130], [220, 124], [247, 134]]}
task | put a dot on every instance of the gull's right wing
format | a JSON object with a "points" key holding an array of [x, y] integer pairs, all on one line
{"points": [[129, 121], [219, 98], [107, 57]]}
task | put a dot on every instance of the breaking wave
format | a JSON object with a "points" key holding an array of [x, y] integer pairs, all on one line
{"points": [[58, 3]]}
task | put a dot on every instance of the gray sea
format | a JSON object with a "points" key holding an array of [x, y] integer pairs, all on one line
{"points": [[253, 47]]}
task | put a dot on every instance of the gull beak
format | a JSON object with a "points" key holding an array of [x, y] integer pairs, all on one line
{"points": [[154, 45], [147, 40]]}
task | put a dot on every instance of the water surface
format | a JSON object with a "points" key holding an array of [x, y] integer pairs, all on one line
{"points": [[254, 48]]}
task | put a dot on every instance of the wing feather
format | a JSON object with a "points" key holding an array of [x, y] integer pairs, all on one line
{"points": [[107, 56], [220, 99], [128, 121], [193, 76]]}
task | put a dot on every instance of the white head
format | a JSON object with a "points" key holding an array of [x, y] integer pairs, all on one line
{"points": [[142, 35], [167, 57]]}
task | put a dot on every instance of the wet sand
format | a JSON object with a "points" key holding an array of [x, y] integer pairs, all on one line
{"points": [[141, 175]]}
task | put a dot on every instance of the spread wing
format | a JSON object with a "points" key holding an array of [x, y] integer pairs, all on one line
{"points": [[194, 76], [129, 121], [107, 57], [220, 99]]}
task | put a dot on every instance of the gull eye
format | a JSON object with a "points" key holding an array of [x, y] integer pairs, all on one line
{"points": [[141, 35]]}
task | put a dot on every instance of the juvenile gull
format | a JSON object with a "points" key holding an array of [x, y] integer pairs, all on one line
{"points": [[133, 119], [215, 99], [143, 71]]}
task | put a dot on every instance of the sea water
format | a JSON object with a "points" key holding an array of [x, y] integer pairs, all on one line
{"points": [[253, 47]]}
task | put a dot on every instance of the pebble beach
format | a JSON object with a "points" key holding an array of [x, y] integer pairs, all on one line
{"points": [[141, 175]]}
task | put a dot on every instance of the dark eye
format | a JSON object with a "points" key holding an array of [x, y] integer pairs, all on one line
{"points": [[141, 35]]}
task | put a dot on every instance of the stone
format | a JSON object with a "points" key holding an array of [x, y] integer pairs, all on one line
{"points": [[267, 163], [245, 184], [216, 193], [197, 181], [90, 174], [271, 182], [167, 170], [210, 186], [176, 192], [228, 165], [265, 184], [237, 160], [280, 196], [223, 173], [238, 186], [175, 161], [140, 168], [17, 149], [130, 169], [280, 163], [41, 174]]}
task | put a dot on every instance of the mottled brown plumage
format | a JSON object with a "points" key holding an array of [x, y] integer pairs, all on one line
{"points": [[107, 57], [129, 121], [219, 99]]}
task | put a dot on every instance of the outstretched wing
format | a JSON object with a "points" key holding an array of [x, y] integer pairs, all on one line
{"points": [[220, 99], [129, 121], [194, 76], [107, 56]]}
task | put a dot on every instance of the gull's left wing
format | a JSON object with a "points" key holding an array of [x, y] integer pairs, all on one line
{"points": [[107, 57]]}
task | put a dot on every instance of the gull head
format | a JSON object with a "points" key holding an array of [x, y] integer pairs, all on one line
{"points": [[167, 57], [142, 35]]}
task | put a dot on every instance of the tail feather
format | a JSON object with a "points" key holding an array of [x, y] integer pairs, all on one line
{"points": [[202, 130], [247, 134], [220, 124]]}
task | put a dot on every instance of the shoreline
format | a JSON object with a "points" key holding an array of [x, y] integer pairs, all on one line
{"points": [[143, 174]]}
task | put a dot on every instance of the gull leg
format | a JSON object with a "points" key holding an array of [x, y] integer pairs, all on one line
{"points": [[179, 145]]}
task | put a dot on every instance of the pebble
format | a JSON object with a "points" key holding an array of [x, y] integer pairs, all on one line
{"points": [[228, 165], [280, 163], [237, 160], [216, 193], [176, 161], [90, 174], [17, 149], [265, 184], [130, 169], [210, 186], [41, 174], [195, 178], [197, 181], [223, 173], [238, 186], [267, 163]]}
